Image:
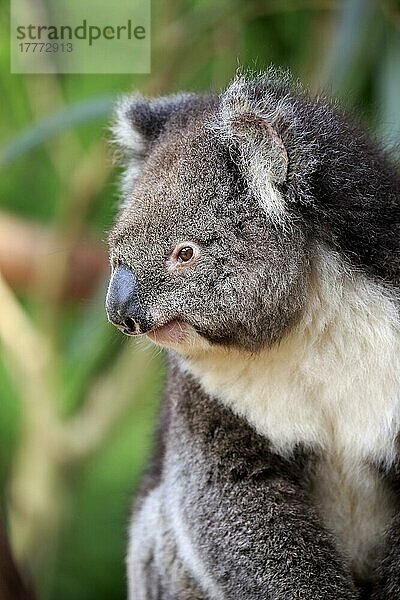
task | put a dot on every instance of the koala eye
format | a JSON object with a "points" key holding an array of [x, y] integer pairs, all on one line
{"points": [[185, 254]]}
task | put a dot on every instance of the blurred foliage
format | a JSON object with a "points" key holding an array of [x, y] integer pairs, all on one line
{"points": [[55, 171]]}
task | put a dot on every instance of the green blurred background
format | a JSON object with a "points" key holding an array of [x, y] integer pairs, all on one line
{"points": [[77, 401]]}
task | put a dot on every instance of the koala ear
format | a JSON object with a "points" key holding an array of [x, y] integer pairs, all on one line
{"points": [[246, 126], [139, 121]]}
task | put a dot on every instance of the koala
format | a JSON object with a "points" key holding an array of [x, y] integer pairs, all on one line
{"points": [[258, 243]]}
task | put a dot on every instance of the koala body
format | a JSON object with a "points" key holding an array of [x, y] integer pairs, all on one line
{"points": [[258, 241]]}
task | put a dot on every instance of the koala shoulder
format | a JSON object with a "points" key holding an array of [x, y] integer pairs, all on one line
{"points": [[233, 447]]}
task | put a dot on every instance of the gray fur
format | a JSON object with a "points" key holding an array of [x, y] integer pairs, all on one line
{"points": [[260, 178], [212, 206]]}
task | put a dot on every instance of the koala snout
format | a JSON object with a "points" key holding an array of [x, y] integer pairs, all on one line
{"points": [[122, 303]]}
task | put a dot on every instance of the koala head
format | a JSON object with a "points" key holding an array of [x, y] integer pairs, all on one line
{"points": [[206, 249]]}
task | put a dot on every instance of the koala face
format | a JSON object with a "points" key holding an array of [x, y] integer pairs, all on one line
{"points": [[196, 258]]}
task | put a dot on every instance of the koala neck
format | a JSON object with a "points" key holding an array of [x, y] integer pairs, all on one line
{"points": [[333, 382]]}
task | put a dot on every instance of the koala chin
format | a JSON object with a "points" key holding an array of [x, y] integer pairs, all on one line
{"points": [[258, 241]]}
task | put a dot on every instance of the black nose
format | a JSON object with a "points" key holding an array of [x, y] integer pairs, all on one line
{"points": [[122, 302]]}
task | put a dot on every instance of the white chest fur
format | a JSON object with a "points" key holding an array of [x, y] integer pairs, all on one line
{"points": [[334, 384]]}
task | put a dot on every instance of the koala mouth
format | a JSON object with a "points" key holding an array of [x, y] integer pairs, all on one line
{"points": [[172, 332]]}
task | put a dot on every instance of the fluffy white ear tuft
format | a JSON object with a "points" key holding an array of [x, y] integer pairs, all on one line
{"points": [[130, 140], [127, 135], [245, 123]]}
